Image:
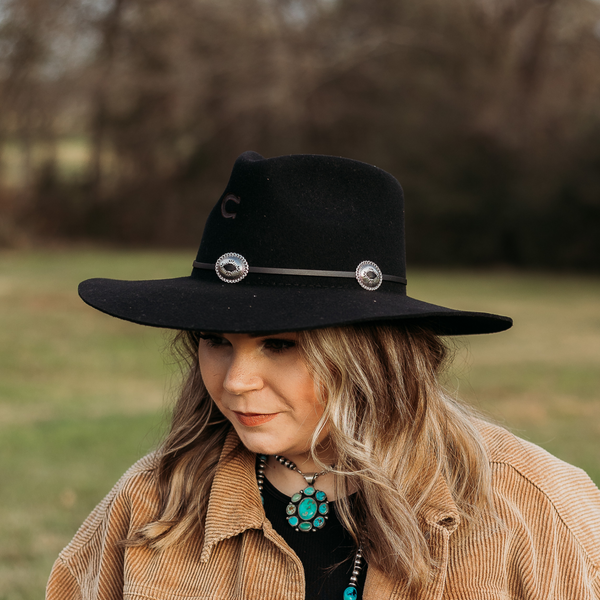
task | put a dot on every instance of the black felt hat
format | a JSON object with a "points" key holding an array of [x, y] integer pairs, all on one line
{"points": [[295, 242]]}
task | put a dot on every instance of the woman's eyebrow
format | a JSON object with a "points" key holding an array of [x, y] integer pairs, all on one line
{"points": [[257, 335]]}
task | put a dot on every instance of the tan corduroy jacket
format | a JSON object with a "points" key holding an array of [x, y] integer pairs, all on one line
{"points": [[547, 546]]}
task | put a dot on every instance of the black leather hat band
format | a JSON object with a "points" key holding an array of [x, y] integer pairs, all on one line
{"points": [[302, 272]]}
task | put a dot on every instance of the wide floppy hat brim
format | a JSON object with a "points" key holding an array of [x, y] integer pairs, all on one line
{"points": [[189, 304]]}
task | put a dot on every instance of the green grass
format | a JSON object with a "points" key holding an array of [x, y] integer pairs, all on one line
{"points": [[541, 378], [81, 398], [82, 395]]}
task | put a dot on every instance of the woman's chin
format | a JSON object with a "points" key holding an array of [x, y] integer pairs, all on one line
{"points": [[265, 442]]}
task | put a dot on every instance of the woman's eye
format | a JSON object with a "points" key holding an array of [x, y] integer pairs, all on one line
{"points": [[214, 341], [278, 344]]}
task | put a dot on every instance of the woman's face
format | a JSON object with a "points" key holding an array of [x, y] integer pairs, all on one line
{"points": [[263, 387]]}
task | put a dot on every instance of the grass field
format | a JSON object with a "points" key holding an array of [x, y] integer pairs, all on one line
{"points": [[82, 395]]}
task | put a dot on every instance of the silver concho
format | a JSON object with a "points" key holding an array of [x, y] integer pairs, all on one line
{"points": [[231, 267], [369, 275]]}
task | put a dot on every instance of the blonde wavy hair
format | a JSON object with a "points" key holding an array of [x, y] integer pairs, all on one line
{"points": [[394, 429]]}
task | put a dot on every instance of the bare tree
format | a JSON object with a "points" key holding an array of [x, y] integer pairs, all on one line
{"points": [[471, 102]]}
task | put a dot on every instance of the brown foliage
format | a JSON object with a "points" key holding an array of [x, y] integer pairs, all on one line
{"points": [[487, 112]]}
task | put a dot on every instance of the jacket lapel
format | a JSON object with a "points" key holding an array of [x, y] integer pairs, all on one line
{"points": [[235, 503]]}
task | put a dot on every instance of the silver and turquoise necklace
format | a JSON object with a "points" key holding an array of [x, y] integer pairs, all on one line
{"points": [[308, 510]]}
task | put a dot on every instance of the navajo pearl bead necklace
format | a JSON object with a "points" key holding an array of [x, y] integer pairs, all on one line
{"points": [[308, 510], [351, 593]]}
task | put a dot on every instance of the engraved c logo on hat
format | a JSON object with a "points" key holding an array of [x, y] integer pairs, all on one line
{"points": [[224, 211]]}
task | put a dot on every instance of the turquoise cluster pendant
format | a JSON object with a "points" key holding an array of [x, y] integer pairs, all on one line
{"points": [[308, 510]]}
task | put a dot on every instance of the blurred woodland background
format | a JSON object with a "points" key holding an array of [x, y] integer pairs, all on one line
{"points": [[120, 119]]}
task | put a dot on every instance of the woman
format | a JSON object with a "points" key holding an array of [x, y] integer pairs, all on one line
{"points": [[313, 452]]}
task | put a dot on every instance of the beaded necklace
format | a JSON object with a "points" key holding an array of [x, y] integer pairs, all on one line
{"points": [[308, 510]]}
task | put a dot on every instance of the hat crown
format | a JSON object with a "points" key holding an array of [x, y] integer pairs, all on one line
{"points": [[308, 212]]}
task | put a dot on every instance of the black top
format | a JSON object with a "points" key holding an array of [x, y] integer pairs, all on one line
{"points": [[327, 554]]}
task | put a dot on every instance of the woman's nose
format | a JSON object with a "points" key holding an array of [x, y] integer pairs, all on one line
{"points": [[242, 375]]}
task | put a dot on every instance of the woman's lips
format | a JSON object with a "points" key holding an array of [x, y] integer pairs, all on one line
{"points": [[253, 419]]}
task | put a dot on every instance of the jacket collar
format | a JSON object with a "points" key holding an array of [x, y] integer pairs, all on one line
{"points": [[235, 504]]}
